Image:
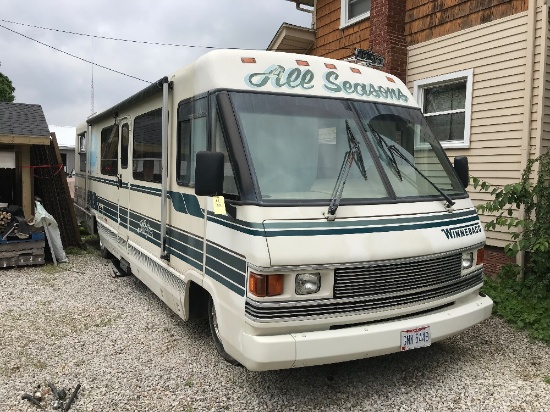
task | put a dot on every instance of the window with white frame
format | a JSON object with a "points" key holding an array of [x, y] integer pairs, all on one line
{"points": [[353, 11], [446, 102]]}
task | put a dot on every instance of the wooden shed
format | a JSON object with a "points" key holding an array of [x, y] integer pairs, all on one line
{"points": [[31, 165], [22, 126]]}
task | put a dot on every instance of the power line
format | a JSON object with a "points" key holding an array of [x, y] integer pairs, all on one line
{"points": [[155, 43], [76, 57], [118, 39]]}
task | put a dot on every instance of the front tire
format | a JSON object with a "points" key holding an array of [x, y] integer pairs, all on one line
{"points": [[215, 330]]}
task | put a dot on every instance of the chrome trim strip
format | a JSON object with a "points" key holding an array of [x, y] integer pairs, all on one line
{"points": [[473, 282], [332, 266]]}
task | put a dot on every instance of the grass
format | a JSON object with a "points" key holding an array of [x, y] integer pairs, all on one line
{"points": [[75, 250], [107, 321], [525, 305], [51, 269], [546, 379]]}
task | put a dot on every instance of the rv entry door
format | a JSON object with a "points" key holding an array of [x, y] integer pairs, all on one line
{"points": [[123, 180]]}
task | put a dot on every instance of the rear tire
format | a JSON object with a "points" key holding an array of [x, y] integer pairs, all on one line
{"points": [[214, 329]]}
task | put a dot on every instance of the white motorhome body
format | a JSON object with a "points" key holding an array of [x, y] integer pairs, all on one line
{"points": [[343, 231]]}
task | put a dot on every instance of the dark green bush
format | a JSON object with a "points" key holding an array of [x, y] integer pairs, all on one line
{"points": [[523, 297]]}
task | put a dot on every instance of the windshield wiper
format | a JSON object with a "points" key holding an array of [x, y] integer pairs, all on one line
{"points": [[448, 202], [385, 148], [352, 155]]}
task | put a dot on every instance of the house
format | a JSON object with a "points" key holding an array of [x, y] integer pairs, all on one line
{"points": [[65, 136], [480, 71]]}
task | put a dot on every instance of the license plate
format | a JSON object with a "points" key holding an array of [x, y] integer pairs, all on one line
{"points": [[416, 338]]}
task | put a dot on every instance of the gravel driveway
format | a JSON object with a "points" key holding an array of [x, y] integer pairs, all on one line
{"points": [[76, 324]]}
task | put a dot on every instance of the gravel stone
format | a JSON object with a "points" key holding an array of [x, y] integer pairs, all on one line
{"points": [[74, 323]]}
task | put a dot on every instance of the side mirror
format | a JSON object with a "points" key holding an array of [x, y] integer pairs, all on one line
{"points": [[209, 174], [462, 170]]}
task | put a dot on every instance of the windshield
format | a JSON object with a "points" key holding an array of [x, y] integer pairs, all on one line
{"points": [[298, 147]]}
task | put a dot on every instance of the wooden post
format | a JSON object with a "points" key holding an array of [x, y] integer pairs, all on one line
{"points": [[66, 187], [27, 197]]}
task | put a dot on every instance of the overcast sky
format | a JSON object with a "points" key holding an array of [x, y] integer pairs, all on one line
{"points": [[61, 84]]}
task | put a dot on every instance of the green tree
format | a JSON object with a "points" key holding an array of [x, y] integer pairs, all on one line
{"points": [[6, 89]]}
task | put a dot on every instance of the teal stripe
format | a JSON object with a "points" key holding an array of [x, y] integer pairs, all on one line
{"points": [[248, 228], [237, 289], [109, 209], [227, 272], [142, 235], [136, 218], [320, 228], [182, 202], [229, 259], [379, 222], [185, 245], [178, 253], [367, 229]]}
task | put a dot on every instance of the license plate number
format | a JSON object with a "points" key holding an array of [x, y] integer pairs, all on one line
{"points": [[416, 338]]}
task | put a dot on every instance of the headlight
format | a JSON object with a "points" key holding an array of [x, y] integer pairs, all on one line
{"points": [[467, 260], [308, 283]]}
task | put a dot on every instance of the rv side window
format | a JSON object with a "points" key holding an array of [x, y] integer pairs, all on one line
{"points": [[109, 150], [124, 143], [147, 153], [229, 184], [192, 137]]}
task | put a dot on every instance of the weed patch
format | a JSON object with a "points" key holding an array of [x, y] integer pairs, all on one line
{"points": [[522, 304]]}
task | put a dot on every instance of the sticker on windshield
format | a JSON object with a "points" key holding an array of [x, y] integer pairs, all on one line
{"points": [[327, 135]]}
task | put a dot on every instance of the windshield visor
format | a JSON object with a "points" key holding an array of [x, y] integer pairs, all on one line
{"points": [[299, 146]]}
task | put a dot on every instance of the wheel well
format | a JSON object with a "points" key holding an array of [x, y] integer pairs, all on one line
{"points": [[198, 301]]}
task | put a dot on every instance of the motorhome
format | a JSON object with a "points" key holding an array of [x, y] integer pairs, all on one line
{"points": [[304, 205]]}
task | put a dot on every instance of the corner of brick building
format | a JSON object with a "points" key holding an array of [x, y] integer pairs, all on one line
{"points": [[387, 35]]}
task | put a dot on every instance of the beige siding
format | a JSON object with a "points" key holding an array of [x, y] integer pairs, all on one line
{"points": [[544, 83], [496, 52]]}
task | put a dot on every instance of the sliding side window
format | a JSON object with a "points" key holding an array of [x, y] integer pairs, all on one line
{"points": [[192, 137], [147, 153], [124, 144], [82, 151], [109, 150]]}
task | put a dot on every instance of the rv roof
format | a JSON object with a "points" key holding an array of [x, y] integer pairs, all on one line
{"points": [[274, 72], [277, 72]]}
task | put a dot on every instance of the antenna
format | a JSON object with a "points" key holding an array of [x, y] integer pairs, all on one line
{"points": [[92, 91]]}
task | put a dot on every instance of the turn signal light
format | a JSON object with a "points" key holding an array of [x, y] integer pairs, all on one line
{"points": [[265, 285], [248, 60], [480, 256]]}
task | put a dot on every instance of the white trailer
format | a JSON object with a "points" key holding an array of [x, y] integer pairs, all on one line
{"points": [[302, 203]]}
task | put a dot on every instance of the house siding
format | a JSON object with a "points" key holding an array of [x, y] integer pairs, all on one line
{"points": [[496, 52], [542, 61], [428, 19], [333, 42]]}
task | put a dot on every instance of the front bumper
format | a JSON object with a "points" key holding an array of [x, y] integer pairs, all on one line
{"points": [[261, 353]]}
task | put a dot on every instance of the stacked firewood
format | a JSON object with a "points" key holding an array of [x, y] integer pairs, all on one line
{"points": [[5, 218]]}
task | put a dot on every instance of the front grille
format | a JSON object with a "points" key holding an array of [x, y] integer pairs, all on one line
{"points": [[384, 278], [385, 286]]}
